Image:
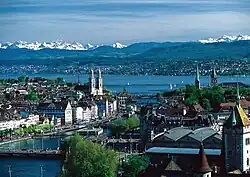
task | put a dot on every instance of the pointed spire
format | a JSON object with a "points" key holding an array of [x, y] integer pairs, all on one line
{"points": [[197, 78], [99, 73], [197, 73], [238, 95], [203, 164], [214, 73], [92, 73]]}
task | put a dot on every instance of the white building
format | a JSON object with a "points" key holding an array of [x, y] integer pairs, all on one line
{"points": [[79, 113], [86, 113], [12, 124], [68, 114], [95, 87]]}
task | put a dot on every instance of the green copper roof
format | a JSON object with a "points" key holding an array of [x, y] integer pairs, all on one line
{"points": [[237, 118]]}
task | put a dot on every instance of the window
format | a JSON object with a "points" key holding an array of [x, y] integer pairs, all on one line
{"points": [[230, 153], [247, 141], [247, 161]]}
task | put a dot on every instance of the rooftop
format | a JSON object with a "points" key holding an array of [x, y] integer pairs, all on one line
{"points": [[184, 151], [199, 134]]}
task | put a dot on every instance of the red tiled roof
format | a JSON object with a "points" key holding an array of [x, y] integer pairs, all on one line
{"points": [[243, 103]]}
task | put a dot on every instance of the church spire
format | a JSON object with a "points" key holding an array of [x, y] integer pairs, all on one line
{"points": [[238, 95], [203, 163], [92, 82], [197, 78], [92, 74], [99, 73], [99, 83], [213, 78]]}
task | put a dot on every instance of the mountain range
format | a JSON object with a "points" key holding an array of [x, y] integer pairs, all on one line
{"points": [[62, 45], [225, 47]]}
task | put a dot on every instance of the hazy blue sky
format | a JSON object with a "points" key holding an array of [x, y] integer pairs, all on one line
{"points": [[126, 21]]}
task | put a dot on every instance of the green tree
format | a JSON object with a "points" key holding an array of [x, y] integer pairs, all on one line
{"points": [[206, 104], [191, 100], [135, 165], [26, 80], [60, 80], [21, 79], [86, 159], [189, 90], [124, 124], [32, 95], [159, 96], [133, 122]]}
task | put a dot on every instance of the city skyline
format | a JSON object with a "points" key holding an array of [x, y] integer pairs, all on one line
{"points": [[126, 21]]}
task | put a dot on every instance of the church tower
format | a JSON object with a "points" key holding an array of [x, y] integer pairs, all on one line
{"points": [[197, 78], [213, 78], [99, 83], [236, 139], [92, 83], [203, 169]]}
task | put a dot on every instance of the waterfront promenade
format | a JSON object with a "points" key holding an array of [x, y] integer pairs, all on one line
{"points": [[34, 154], [14, 140]]}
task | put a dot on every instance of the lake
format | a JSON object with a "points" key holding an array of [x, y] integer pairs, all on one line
{"points": [[142, 84]]}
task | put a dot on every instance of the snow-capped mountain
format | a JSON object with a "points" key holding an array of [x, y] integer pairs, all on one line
{"points": [[62, 45], [225, 38], [118, 45]]}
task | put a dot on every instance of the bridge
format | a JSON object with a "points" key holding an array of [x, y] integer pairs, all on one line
{"points": [[27, 153], [61, 132]]}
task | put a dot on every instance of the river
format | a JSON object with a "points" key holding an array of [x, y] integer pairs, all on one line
{"points": [[22, 167]]}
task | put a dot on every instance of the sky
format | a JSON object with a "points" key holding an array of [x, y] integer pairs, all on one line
{"points": [[126, 21]]}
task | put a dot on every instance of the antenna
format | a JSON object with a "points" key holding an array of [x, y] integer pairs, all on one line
{"points": [[10, 171]]}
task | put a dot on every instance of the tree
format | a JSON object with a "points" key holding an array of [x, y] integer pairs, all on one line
{"points": [[133, 122], [135, 165], [159, 96], [206, 104], [60, 80], [21, 79], [86, 159], [191, 100], [124, 124], [32, 95], [26, 80]]}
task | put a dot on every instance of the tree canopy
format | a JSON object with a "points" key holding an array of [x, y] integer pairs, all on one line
{"points": [[32, 95], [122, 125], [135, 165], [86, 159], [208, 97]]}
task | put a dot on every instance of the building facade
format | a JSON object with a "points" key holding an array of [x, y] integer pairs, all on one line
{"points": [[95, 86], [236, 139]]}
